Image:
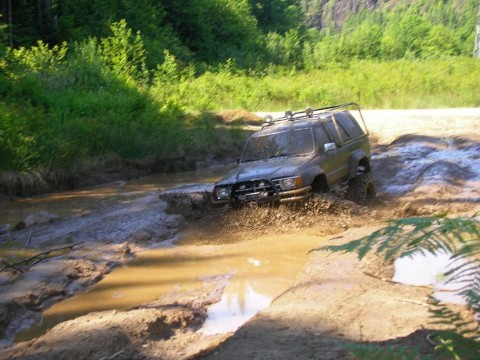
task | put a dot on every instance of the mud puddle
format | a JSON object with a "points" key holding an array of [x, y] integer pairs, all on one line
{"points": [[257, 271], [434, 269]]}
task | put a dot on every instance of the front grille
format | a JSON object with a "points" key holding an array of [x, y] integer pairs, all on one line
{"points": [[254, 190]]}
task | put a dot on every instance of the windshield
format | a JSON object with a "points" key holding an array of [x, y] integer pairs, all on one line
{"points": [[286, 143]]}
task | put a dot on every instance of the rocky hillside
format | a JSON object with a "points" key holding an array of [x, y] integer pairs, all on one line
{"points": [[325, 13], [333, 13]]}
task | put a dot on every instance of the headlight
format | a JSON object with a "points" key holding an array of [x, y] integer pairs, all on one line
{"points": [[290, 183], [223, 193]]}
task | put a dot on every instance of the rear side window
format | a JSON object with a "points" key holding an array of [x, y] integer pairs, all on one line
{"points": [[332, 130], [347, 121]]}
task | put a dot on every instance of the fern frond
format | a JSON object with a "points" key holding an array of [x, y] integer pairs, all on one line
{"points": [[467, 274], [406, 236], [466, 332]]}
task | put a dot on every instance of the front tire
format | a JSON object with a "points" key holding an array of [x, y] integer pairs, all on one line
{"points": [[361, 189]]}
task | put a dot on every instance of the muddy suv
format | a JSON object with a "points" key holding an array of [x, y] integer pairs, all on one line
{"points": [[306, 152]]}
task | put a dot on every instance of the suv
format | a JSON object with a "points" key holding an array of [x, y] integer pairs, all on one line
{"points": [[306, 152]]}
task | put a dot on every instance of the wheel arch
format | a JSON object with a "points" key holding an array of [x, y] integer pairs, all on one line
{"points": [[359, 158], [320, 183]]}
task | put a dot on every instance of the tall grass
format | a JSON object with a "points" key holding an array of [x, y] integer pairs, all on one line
{"points": [[374, 84]]}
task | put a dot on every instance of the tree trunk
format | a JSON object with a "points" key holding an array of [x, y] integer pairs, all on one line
{"points": [[10, 24]]}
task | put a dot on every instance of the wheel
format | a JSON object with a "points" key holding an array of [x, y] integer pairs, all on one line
{"points": [[361, 188]]}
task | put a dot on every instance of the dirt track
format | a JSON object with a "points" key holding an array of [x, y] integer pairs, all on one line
{"points": [[426, 162]]}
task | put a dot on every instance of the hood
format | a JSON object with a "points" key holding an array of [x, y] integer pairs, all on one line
{"points": [[266, 169]]}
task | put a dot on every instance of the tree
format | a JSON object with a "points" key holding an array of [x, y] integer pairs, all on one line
{"points": [[124, 52], [277, 15], [215, 30], [405, 36]]}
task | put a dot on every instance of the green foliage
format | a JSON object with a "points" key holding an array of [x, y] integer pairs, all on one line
{"points": [[284, 49], [78, 20], [124, 53], [63, 106], [277, 16], [255, 33], [215, 30], [17, 149], [3, 36], [406, 236], [423, 29], [460, 338], [39, 58], [459, 236], [372, 352], [399, 84]]}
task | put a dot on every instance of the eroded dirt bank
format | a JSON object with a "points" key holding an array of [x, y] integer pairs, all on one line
{"points": [[424, 164]]}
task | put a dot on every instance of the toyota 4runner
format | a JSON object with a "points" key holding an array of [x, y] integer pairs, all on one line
{"points": [[306, 152]]}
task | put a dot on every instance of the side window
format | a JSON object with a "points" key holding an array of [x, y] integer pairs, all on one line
{"points": [[321, 137], [332, 131], [347, 121]]}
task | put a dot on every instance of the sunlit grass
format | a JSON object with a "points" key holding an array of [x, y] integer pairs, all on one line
{"points": [[401, 84]]}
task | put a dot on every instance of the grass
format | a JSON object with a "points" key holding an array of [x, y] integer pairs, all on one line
{"points": [[401, 84]]}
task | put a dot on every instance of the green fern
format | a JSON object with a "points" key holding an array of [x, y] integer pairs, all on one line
{"points": [[402, 237], [459, 236], [461, 335]]}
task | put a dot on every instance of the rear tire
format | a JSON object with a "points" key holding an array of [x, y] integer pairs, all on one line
{"points": [[361, 189]]}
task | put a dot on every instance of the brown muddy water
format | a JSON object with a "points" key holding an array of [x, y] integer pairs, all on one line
{"points": [[258, 270]]}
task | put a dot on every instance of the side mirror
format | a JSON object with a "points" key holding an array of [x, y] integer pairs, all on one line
{"points": [[330, 147]]}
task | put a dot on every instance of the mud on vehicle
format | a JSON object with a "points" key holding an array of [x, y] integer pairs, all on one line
{"points": [[304, 152]]}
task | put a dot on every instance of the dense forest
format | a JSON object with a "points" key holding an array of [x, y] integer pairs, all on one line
{"points": [[122, 79], [254, 33]]}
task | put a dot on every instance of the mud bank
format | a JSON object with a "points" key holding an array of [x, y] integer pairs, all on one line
{"points": [[166, 329], [43, 181], [103, 240]]}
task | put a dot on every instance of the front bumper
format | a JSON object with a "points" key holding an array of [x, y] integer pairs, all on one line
{"points": [[295, 195], [277, 197]]}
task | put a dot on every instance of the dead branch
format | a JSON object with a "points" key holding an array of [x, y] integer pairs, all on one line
{"points": [[28, 241], [112, 356], [36, 258], [395, 282], [412, 302], [7, 265]]}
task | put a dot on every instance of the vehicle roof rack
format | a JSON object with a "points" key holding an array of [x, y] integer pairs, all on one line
{"points": [[309, 112]]}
